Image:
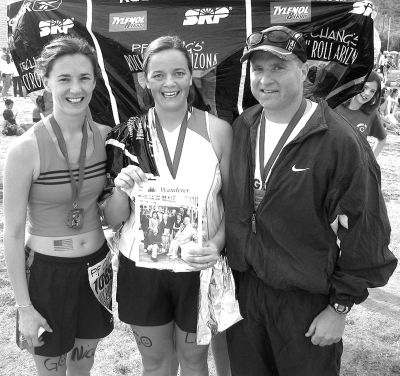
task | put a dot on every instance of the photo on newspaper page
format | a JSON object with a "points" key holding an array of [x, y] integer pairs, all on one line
{"points": [[168, 221]]}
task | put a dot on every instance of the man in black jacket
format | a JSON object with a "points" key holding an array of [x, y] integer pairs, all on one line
{"points": [[306, 224]]}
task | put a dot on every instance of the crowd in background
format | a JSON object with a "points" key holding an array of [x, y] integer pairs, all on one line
{"points": [[389, 108], [11, 86]]}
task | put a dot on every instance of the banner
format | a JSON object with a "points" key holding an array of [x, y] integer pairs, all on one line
{"points": [[339, 45]]}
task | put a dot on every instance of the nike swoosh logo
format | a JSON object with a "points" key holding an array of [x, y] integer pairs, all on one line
{"points": [[299, 169]]}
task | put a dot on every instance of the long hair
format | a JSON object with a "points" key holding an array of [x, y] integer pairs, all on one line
{"points": [[167, 42], [375, 101], [63, 46]]}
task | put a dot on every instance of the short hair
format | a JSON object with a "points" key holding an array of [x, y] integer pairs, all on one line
{"points": [[166, 42], [63, 46], [8, 101]]}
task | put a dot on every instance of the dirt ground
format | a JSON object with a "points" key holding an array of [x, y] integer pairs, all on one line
{"points": [[372, 334]]}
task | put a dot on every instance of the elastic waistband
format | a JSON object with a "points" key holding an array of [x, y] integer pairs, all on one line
{"points": [[98, 255]]}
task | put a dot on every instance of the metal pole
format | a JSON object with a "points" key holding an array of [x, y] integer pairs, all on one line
{"points": [[387, 49]]}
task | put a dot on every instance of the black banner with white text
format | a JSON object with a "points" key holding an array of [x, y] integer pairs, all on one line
{"points": [[339, 39]]}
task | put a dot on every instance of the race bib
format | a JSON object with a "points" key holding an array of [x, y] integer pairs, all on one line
{"points": [[101, 280]]}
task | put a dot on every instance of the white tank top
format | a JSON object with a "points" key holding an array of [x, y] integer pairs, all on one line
{"points": [[198, 169]]}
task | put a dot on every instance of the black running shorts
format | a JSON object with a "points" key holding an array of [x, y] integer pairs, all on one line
{"points": [[151, 297], [59, 290]]}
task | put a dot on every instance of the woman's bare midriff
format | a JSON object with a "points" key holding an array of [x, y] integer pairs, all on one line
{"points": [[67, 246]]}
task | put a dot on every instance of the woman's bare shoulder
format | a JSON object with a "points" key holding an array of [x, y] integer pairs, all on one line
{"points": [[104, 129], [25, 145], [23, 152], [220, 128]]}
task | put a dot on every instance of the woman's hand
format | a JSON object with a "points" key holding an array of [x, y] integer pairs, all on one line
{"points": [[30, 321], [126, 179], [203, 257]]}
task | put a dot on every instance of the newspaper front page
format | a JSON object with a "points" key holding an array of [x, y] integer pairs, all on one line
{"points": [[168, 224]]}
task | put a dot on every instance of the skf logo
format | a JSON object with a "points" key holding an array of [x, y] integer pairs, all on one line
{"points": [[205, 16], [52, 27], [130, 21], [42, 5], [282, 13]]}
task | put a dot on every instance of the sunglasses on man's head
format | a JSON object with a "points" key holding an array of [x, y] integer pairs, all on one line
{"points": [[273, 36]]}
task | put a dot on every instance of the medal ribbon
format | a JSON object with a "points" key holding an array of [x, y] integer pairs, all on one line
{"points": [[172, 166], [292, 124], [76, 189]]}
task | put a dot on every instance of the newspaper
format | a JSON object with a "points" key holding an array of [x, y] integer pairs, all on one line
{"points": [[168, 224]]}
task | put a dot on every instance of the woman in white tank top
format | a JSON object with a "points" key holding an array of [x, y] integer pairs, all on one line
{"points": [[204, 164]]}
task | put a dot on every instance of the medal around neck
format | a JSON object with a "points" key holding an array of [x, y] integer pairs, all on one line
{"points": [[75, 218], [75, 215]]}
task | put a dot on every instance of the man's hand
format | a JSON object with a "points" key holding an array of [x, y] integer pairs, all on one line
{"points": [[327, 327]]}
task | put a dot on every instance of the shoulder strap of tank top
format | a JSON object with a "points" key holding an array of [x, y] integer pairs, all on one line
{"points": [[207, 115], [42, 138], [97, 137]]}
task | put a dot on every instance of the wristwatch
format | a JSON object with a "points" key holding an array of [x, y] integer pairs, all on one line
{"points": [[340, 308]]}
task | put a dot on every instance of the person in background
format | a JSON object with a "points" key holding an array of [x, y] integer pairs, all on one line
{"points": [[54, 175], [35, 114], [390, 102], [362, 112], [393, 101], [11, 128], [383, 102], [390, 119], [306, 224], [17, 82], [383, 59], [6, 74], [162, 305]]}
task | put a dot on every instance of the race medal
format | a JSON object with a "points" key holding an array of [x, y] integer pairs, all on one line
{"points": [[75, 218], [258, 196], [75, 215]]}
